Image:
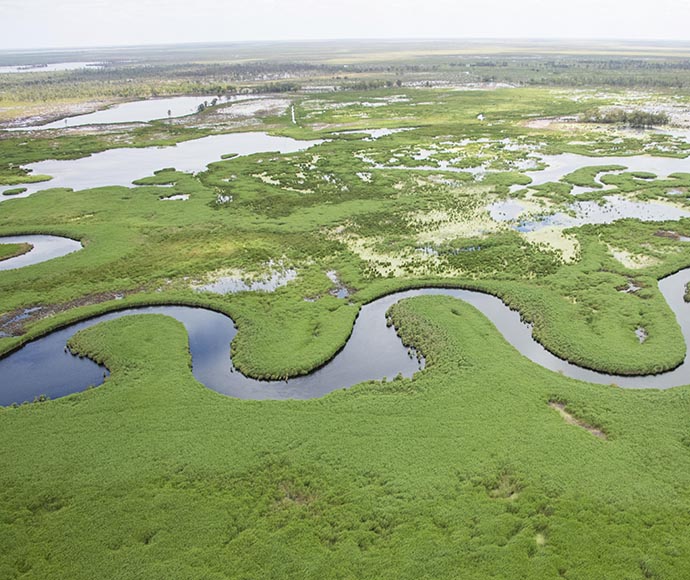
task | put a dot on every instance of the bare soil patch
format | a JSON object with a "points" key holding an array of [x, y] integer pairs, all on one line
{"points": [[14, 323]]}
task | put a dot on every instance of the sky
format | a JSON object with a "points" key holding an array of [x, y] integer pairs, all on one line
{"points": [[78, 23]]}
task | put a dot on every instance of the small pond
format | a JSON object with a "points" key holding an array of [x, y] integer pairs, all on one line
{"points": [[234, 284], [559, 166]]}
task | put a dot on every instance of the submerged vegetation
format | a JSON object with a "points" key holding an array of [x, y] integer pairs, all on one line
{"points": [[484, 462]]}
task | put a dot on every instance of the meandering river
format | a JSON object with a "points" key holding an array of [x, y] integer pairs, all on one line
{"points": [[374, 351]]}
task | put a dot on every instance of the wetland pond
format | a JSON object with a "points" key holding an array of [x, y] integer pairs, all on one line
{"points": [[581, 213], [558, 166], [123, 166], [234, 284], [611, 208]]}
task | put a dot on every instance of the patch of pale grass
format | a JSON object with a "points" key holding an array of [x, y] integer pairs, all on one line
{"points": [[571, 420], [553, 238], [633, 261]]}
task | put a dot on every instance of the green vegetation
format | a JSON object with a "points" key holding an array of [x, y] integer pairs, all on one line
{"points": [[314, 212], [12, 250], [635, 119], [10, 175], [585, 176], [464, 468], [14, 191]]}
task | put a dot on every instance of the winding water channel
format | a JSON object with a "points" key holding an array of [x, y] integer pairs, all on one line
{"points": [[373, 352]]}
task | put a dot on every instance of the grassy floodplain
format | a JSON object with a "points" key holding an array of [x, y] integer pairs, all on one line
{"points": [[466, 470]]}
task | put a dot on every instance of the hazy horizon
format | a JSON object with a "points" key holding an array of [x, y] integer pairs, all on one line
{"points": [[509, 42], [75, 24]]}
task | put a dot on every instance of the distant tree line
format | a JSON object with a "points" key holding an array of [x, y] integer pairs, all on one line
{"points": [[636, 119], [579, 71]]}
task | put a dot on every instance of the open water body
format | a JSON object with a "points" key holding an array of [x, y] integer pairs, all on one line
{"points": [[123, 166], [580, 213], [558, 166], [137, 112]]}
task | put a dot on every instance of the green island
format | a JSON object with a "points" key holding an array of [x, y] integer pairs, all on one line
{"points": [[13, 250], [561, 188]]}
